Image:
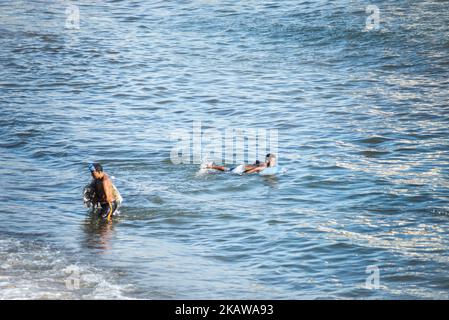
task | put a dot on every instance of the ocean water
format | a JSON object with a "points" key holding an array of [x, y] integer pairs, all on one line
{"points": [[362, 118]]}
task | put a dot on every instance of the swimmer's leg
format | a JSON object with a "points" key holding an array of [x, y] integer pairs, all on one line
{"points": [[215, 167], [220, 168], [106, 209]]}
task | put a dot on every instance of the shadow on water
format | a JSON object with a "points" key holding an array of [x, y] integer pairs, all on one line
{"points": [[98, 232], [271, 181]]}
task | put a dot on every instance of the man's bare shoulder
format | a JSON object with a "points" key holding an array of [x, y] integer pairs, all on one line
{"points": [[106, 179]]}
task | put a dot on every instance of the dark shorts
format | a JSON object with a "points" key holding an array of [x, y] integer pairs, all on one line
{"points": [[105, 209]]}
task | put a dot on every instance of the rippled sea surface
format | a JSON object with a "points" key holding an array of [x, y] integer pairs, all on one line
{"points": [[362, 117]]}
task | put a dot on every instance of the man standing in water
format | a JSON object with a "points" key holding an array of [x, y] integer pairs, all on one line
{"points": [[104, 189]]}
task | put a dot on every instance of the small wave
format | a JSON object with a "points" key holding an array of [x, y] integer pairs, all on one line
{"points": [[374, 153], [12, 144], [373, 140], [37, 270]]}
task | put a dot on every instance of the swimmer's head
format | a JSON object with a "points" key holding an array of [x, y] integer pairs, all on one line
{"points": [[96, 170], [270, 160]]}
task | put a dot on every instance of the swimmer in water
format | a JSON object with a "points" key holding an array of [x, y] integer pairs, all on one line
{"points": [[270, 161], [106, 194]]}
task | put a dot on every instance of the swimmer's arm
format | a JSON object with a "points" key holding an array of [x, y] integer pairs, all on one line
{"points": [[107, 187], [254, 170], [248, 168]]}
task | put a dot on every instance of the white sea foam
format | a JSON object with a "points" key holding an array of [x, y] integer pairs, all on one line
{"points": [[31, 270]]}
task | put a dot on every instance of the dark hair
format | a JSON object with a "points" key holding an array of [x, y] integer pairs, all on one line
{"points": [[98, 167], [257, 162]]}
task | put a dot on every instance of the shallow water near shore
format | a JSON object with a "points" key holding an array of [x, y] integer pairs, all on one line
{"points": [[362, 118]]}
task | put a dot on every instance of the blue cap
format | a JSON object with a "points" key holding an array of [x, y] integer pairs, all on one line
{"points": [[91, 167]]}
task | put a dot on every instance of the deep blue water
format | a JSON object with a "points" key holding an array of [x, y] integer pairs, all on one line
{"points": [[362, 117]]}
